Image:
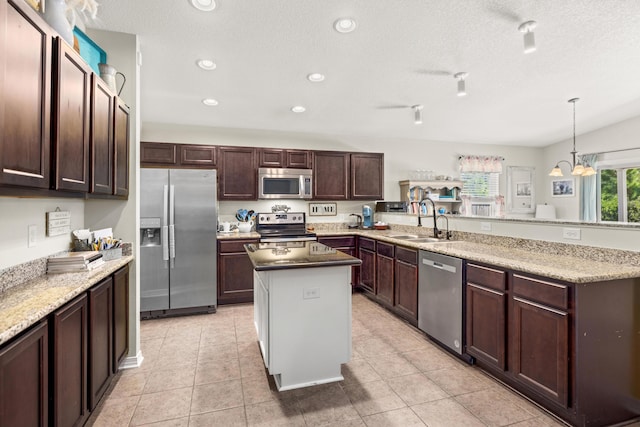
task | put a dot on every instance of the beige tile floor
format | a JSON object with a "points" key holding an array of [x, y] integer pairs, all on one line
{"points": [[206, 370]]}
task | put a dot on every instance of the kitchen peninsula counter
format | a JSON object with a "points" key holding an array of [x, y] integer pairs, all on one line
{"points": [[23, 305]]}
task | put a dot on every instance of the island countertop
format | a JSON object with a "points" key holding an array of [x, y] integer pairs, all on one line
{"points": [[285, 255]]}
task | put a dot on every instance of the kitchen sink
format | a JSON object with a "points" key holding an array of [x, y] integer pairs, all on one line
{"points": [[405, 236], [418, 239]]}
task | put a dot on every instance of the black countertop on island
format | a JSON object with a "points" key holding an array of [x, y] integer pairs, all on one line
{"points": [[284, 255]]}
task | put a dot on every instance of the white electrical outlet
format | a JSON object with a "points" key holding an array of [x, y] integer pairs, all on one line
{"points": [[485, 226], [571, 233], [323, 209], [33, 230], [311, 293]]}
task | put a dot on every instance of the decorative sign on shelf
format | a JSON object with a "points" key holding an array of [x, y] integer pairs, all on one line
{"points": [[58, 222]]}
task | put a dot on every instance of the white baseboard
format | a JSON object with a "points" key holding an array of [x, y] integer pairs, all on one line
{"points": [[132, 361]]}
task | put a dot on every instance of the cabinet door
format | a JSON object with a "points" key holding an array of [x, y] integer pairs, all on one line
{"points": [[120, 316], [538, 349], [330, 175], [238, 173], [368, 269], [158, 154], [271, 158], [299, 159], [384, 279], [198, 155], [71, 126], [121, 141], [100, 340], [25, 96], [235, 272], [406, 290], [102, 151], [24, 380], [486, 327], [367, 176], [70, 363]]}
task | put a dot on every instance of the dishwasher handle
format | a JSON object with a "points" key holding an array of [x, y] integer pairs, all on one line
{"points": [[439, 265]]}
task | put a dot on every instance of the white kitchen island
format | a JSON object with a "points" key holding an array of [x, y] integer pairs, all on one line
{"points": [[302, 311]]}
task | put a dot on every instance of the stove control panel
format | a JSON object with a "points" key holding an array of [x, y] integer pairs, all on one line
{"points": [[282, 218]]}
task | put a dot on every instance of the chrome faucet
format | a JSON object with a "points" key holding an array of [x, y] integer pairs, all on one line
{"points": [[358, 221], [436, 233], [448, 233]]}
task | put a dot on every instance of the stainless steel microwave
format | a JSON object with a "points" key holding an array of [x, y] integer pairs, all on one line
{"points": [[283, 183]]}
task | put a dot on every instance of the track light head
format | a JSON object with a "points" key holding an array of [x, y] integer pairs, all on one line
{"points": [[417, 114], [462, 90], [529, 38]]}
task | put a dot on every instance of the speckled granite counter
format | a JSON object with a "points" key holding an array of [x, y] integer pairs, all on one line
{"points": [[25, 304], [237, 235]]}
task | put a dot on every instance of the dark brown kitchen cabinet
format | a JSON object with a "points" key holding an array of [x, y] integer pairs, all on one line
{"points": [[539, 341], [101, 137], [235, 272], [71, 114], [330, 175], [346, 244], [367, 254], [406, 284], [486, 314], [237, 173], [69, 363], [100, 351], [158, 154], [367, 176], [385, 253], [201, 156], [121, 141], [120, 316], [284, 158], [25, 96], [24, 379]]}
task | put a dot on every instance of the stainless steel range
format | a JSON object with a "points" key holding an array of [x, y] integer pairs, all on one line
{"points": [[283, 227]]}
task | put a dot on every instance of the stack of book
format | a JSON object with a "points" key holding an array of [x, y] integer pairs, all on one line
{"points": [[75, 262]]}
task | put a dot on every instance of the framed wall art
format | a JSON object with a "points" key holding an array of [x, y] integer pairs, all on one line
{"points": [[563, 187]]}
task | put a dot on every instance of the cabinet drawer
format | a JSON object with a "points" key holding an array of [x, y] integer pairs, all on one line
{"points": [[231, 246], [385, 249], [409, 256], [365, 243], [553, 294], [487, 277], [338, 242]]}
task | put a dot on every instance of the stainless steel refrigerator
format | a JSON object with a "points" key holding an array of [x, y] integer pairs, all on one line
{"points": [[178, 224]]}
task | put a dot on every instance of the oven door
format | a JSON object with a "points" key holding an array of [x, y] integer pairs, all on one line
{"points": [[276, 183]]}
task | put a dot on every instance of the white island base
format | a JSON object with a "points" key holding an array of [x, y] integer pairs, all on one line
{"points": [[303, 320]]}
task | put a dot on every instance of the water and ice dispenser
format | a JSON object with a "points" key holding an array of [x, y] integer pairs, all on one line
{"points": [[150, 232]]}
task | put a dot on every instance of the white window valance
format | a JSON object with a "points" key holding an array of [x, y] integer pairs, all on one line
{"points": [[481, 164]]}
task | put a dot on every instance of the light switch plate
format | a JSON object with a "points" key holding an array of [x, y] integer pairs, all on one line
{"points": [[33, 230], [571, 233], [311, 293], [323, 209]]}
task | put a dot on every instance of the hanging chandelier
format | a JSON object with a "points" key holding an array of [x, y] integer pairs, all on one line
{"points": [[577, 168]]}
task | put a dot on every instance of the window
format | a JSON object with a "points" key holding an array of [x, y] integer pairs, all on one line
{"points": [[619, 198], [480, 184]]}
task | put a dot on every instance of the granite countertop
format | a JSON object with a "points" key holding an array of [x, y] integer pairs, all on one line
{"points": [[24, 305], [237, 235], [287, 255], [567, 268]]}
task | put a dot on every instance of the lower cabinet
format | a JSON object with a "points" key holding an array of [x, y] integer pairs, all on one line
{"points": [[406, 284], [235, 272], [120, 316], [24, 379], [69, 364], [100, 340], [367, 254], [346, 244], [384, 273]]}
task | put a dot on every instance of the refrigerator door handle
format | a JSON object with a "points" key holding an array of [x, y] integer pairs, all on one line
{"points": [[172, 232], [165, 230]]}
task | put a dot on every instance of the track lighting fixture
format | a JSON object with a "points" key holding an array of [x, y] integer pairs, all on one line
{"points": [[417, 114], [577, 168], [462, 90], [529, 38]]}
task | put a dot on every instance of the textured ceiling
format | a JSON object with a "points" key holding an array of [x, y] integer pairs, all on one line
{"points": [[404, 52]]}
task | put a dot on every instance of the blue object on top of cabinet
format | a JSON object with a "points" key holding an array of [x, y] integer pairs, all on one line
{"points": [[90, 51]]}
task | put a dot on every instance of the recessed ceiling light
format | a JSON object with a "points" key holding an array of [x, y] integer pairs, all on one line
{"points": [[315, 77], [345, 25], [210, 102], [204, 5], [298, 109], [206, 64]]}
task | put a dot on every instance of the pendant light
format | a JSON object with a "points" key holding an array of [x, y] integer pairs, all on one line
{"points": [[576, 167]]}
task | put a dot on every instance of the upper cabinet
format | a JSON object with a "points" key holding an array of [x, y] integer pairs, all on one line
{"points": [[348, 176], [166, 155], [237, 174], [102, 148], [121, 142], [25, 96], [71, 120], [281, 158]]}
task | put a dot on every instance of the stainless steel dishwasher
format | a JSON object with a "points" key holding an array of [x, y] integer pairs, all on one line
{"points": [[440, 299]]}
